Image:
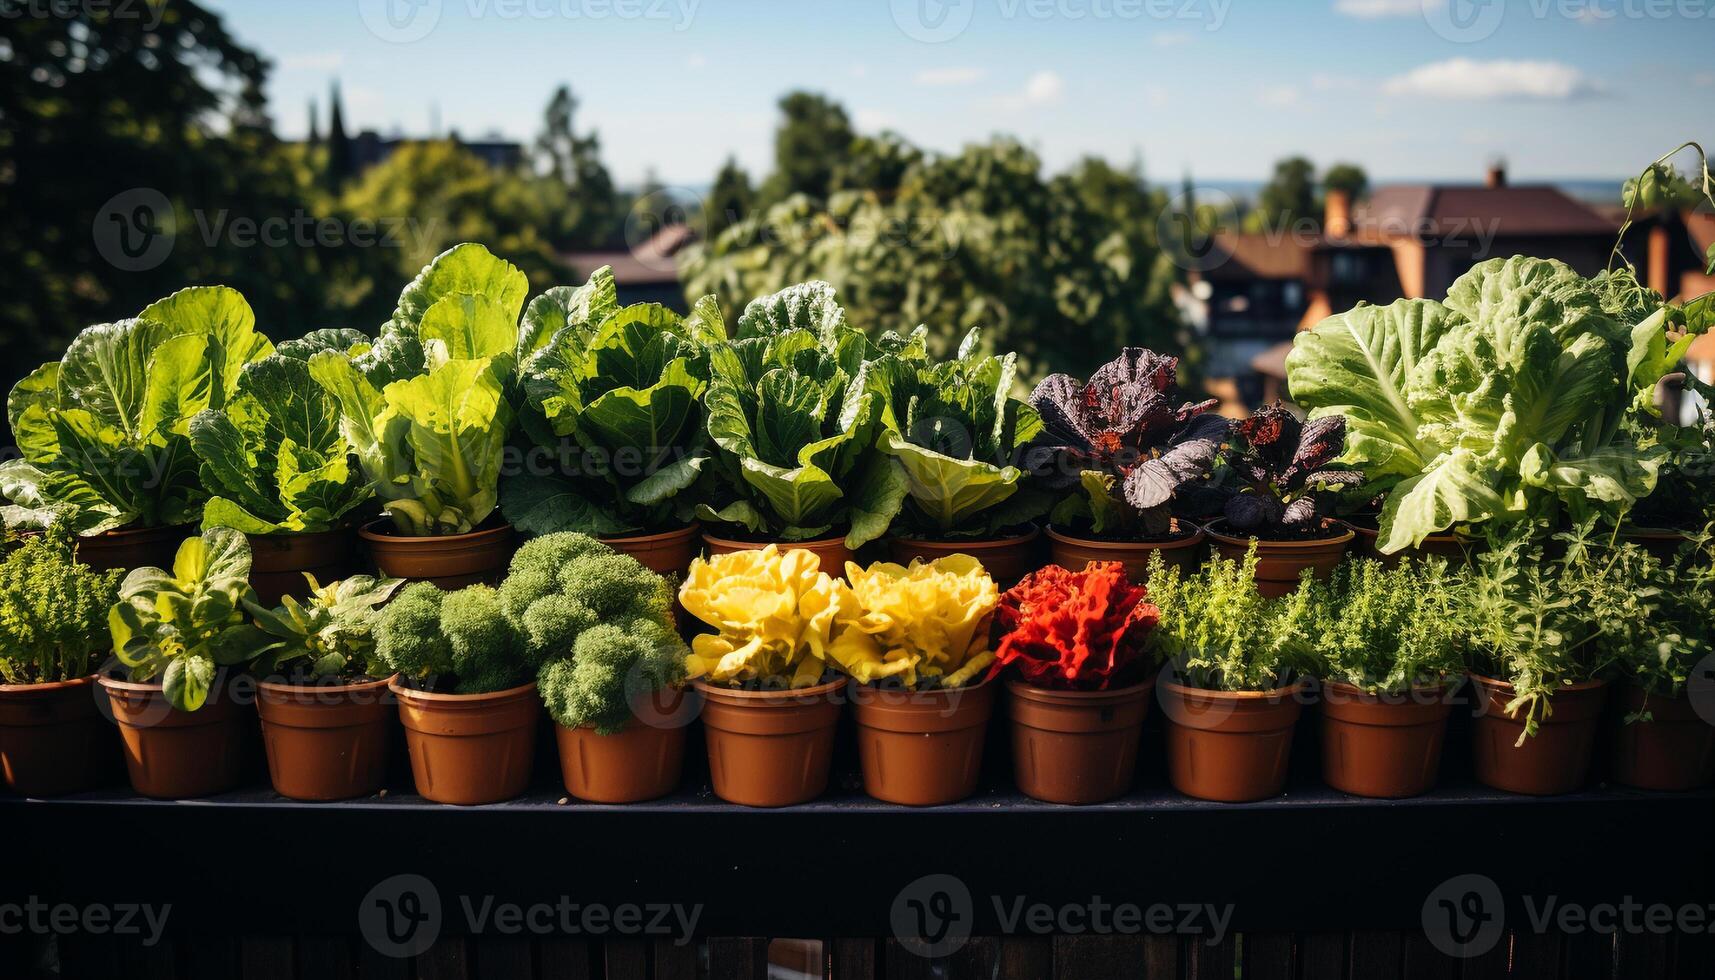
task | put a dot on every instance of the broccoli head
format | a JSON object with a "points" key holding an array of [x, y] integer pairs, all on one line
{"points": [[553, 623], [610, 665], [611, 584], [408, 637]]}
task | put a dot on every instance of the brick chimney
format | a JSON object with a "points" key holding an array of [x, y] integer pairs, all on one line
{"points": [[1496, 178], [1337, 213]]}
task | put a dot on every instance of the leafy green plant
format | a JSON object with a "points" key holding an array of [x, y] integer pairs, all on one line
{"points": [[1219, 632], [1671, 625], [601, 623], [183, 625], [795, 422], [1502, 404], [53, 610], [332, 634], [103, 432], [424, 407], [273, 457], [1120, 449], [619, 393], [1385, 630], [960, 435]]}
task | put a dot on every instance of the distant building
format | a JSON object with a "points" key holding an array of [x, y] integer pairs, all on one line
{"points": [[1407, 240], [350, 156], [646, 273]]}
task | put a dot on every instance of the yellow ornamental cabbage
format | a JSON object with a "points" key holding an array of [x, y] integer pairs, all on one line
{"points": [[926, 622], [777, 613]]}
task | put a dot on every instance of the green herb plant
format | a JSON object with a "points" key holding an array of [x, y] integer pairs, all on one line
{"points": [[53, 611], [1219, 632], [1385, 630], [184, 625], [331, 634]]}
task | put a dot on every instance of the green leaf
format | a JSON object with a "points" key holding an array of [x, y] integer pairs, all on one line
{"points": [[187, 681], [468, 268], [471, 326], [705, 325], [538, 505], [1450, 492], [224, 319], [950, 492], [807, 306], [875, 501], [740, 512], [458, 424]]}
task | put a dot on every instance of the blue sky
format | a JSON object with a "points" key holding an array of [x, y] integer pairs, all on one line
{"points": [[1408, 88]]}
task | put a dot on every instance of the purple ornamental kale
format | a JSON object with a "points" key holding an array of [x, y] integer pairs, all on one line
{"points": [[1284, 488]]}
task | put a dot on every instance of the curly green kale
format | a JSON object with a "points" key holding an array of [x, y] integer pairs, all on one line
{"points": [[53, 611]]}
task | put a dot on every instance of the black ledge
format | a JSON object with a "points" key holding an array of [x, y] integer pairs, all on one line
{"points": [[1313, 858]]}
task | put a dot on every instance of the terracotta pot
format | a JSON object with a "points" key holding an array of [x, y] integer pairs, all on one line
{"points": [[1557, 759], [53, 738], [1279, 562], [832, 551], [1229, 746], [1076, 747], [1663, 543], [469, 749], [667, 553], [128, 548], [278, 562], [451, 561], [1674, 750], [1005, 559], [1387, 747], [172, 754], [922, 748], [1451, 547], [1070, 551], [326, 742], [642, 761], [770, 748]]}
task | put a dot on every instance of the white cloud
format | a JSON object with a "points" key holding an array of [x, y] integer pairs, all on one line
{"points": [[1157, 96], [1373, 9], [874, 119], [696, 62], [1044, 88], [313, 61], [1464, 78], [1171, 39], [1279, 96], [1324, 82], [859, 70], [949, 76]]}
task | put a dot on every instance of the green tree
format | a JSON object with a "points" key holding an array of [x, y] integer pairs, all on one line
{"points": [[730, 199], [1288, 196], [875, 163], [594, 210], [1348, 177], [813, 137]]}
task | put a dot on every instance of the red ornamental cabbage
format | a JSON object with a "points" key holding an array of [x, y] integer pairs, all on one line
{"points": [[1075, 630]]}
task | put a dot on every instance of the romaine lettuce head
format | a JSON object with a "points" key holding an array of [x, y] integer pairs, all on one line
{"points": [[959, 433], [425, 408], [105, 431], [1504, 403], [795, 421], [615, 397]]}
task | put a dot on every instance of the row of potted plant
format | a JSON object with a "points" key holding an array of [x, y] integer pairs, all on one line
{"points": [[918, 650]]}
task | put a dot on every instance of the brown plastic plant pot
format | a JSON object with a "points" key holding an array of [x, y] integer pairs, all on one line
{"points": [[1076, 747], [1229, 746], [642, 761], [1005, 559], [1674, 750], [667, 553], [470, 749], [326, 742], [278, 562], [1452, 547], [172, 754], [922, 748], [54, 739], [451, 561], [128, 548], [1072, 552], [770, 748], [1279, 562], [832, 552], [1557, 759], [1387, 747]]}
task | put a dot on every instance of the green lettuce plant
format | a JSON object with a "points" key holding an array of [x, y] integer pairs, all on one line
{"points": [[1385, 630], [424, 407], [1502, 404], [273, 458], [104, 431], [1218, 631], [960, 435], [615, 400], [330, 634], [183, 625], [53, 610], [795, 424]]}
